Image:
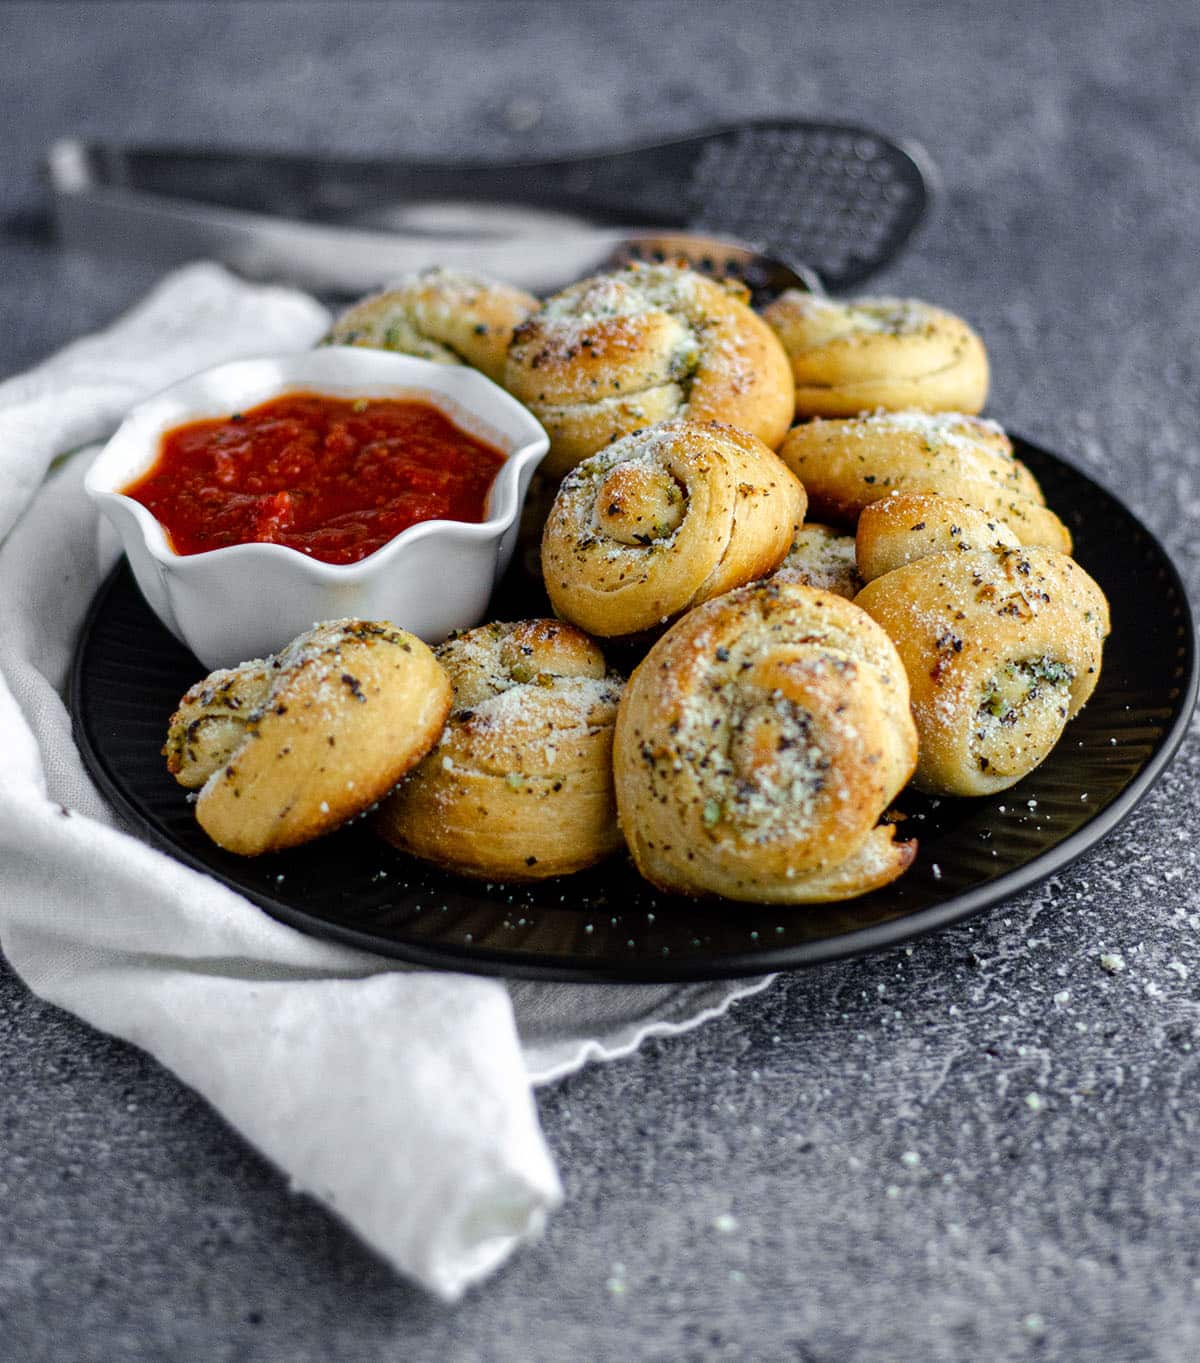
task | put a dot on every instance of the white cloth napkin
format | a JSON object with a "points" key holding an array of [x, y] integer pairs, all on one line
{"points": [[400, 1098]]}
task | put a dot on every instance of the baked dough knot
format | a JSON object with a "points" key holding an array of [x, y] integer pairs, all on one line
{"points": [[286, 748], [862, 353], [1002, 643], [447, 316], [845, 465], [757, 746], [625, 350], [822, 556], [907, 526], [519, 786], [662, 520]]}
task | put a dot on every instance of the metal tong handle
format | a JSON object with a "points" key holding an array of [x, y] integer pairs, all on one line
{"points": [[843, 199]]}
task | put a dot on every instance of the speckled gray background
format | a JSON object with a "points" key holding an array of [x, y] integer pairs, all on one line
{"points": [[848, 1168]]}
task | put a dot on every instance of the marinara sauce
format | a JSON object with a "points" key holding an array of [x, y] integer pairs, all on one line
{"points": [[334, 478]]}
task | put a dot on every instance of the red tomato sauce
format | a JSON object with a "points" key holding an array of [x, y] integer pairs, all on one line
{"points": [[334, 478]]}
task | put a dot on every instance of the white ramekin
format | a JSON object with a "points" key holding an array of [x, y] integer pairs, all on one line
{"points": [[248, 600]]}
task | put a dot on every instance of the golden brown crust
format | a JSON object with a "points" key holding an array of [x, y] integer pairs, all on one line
{"points": [[910, 525], [622, 351], [757, 745], [860, 354], [441, 315], [520, 785], [847, 465], [662, 520], [337, 718], [1002, 646]]}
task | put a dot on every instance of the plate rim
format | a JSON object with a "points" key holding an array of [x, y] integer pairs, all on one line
{"points": [[758, 961]]}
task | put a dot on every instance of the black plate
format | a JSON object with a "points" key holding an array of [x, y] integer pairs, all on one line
{"points": [[608, 924]]}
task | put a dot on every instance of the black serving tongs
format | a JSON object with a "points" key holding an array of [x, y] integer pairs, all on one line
{"points": [[813, 200]]}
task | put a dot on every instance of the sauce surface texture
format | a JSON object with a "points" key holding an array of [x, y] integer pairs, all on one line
{"points": [[334, 478]]}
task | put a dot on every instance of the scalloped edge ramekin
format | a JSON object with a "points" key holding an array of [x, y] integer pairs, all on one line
{"points": [[248, 600]]}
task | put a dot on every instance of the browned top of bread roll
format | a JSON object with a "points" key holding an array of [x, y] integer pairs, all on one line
{"points": [[287, 748], [855, 355], [1002, 646], [846, 465], [757, 745], [910, 525], [519, 786], [664, 519], [443, 315], [622, 351]]}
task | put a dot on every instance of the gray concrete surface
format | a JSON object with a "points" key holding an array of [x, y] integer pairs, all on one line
{"points": [[846, 1169]]}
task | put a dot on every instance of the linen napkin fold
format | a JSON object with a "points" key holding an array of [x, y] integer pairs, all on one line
{"points": [[400, 1098]]}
